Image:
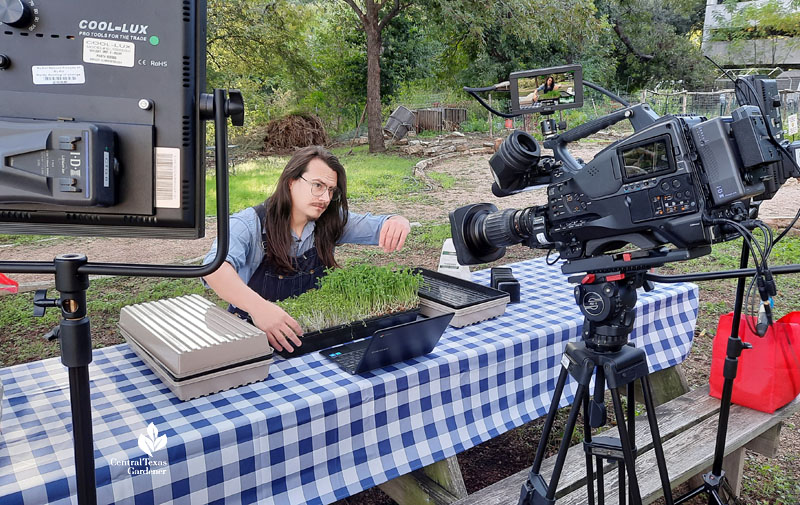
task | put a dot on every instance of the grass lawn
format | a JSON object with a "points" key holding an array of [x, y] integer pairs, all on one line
{"points": [[369, 176]]}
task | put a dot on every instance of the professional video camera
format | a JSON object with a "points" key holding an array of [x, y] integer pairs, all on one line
{"points": [[667, 192], [675, 180]]}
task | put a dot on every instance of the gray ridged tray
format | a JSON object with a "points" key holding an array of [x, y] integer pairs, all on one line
{"points": [[206, 383], [471, 302], [190, 341]]}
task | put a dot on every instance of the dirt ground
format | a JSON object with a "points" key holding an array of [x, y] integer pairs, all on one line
{"points": [[472, 185]]}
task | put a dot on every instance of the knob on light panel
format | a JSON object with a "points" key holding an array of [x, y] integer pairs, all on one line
{"points": [[16, 13]]}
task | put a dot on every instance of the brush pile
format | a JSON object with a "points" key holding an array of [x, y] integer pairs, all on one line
{"points": [[288, 133]]}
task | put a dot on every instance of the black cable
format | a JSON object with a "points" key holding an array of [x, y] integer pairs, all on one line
{"points": [[547, 258], [751, 306], [607, 93], [786, 230], [473, 94], [746, 235]]}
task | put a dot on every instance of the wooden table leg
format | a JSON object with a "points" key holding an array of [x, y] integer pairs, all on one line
{"points": [[438, 484], [666, 384]]}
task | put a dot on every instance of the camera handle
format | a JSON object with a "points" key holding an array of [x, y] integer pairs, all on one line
{"points": [[640, 116], [72, 280]]}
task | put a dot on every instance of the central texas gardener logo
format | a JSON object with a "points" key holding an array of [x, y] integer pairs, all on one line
{"points": [[150, 442]]}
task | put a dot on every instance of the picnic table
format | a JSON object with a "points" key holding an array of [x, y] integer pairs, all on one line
{"points": [[311, 433]]}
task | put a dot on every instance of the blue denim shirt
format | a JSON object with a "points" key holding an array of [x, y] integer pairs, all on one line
{"points": [[245, 250]]}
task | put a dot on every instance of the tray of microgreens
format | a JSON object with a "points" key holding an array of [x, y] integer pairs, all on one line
{"points": [[352, 303]]}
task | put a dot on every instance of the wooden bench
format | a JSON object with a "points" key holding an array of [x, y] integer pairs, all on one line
{"points": [[688, 426], [442, 483]]}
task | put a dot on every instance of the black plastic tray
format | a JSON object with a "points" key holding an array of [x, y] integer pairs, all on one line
{"points": [[335, 335], [454, 292]]}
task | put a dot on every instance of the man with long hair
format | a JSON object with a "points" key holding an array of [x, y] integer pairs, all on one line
{"points": [[280, 248], [548, 86]]}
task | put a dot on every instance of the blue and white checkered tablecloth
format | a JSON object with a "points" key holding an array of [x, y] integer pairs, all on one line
{"points": [[311, 433]]}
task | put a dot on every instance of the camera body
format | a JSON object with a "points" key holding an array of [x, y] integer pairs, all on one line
{"points": [[670, 182]]}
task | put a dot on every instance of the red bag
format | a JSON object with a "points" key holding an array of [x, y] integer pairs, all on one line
{"points": [[768, 376], [8, 284]]}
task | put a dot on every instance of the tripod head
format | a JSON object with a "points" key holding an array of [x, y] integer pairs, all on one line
{"points": [[607, 295], [608, 302]]}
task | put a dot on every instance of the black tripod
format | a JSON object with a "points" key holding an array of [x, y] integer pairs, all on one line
{"points": [[607, 302]]}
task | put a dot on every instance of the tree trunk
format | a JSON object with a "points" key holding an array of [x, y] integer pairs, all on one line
{"points": [[374, 120]]}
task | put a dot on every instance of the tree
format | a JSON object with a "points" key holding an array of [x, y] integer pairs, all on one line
{"points": [[488, 40], [374, 17], [766, 31], [653, 41], [259, 47]]}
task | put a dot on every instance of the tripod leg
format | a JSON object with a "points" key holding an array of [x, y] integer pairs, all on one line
{"points": [[715, 499], [627, 449], [601, 498], [587, 438], [565, 440], [621, 479], [659, 450], [548, 422], [535, 487], [631, 421]]}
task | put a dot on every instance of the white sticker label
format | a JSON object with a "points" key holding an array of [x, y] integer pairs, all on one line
{"points": [[58, 74], [106, 169], [792, 124], [168, 177], [565, 361], [109, 52]]}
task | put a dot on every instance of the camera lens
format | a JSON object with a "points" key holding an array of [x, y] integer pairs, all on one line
{"points": [[499, 229]]}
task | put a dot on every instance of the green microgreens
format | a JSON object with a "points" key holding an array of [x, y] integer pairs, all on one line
{"points": [[354, 293]]}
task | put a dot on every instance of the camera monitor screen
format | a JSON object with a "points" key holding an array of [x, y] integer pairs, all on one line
{"points": [[546, 89], [647, 159], [100, 130]]}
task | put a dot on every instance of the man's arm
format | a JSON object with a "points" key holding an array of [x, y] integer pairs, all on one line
{"points": [[271, 319], [387, 231]]}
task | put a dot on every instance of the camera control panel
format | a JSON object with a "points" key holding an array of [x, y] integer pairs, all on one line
{"points": [[670, 196]]}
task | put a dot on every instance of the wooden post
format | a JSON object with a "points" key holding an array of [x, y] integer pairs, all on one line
{"points": [[683, 101], [666, 385], [491, 123], [438, 484]]}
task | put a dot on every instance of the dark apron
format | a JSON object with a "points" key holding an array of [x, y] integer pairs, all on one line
{"points": [[273, 285]]}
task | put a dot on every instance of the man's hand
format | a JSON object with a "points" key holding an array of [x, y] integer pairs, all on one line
{"points": [[393, 233], [268, 317], [282, 331]]}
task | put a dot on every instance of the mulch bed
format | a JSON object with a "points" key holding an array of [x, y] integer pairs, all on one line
{"points": [[283, 135]]}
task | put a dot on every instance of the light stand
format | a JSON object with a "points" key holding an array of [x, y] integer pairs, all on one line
{"points": [[715, 479], [72, 280]]}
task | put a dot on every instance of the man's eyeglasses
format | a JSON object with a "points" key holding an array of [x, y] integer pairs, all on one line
{"points": [[318, 189]]}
